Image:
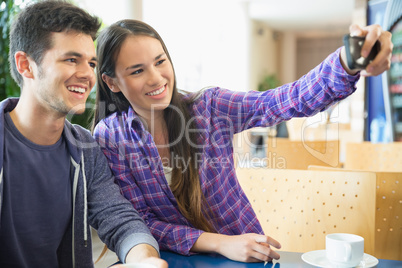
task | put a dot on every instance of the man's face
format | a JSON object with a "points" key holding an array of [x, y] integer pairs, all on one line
{"points": [[66, 75]]}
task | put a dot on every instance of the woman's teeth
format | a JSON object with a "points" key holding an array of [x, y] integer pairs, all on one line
{"points": [[76, 89], [156, 92]]}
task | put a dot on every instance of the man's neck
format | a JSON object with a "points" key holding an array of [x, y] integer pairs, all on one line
{"points": [[37, 125]]}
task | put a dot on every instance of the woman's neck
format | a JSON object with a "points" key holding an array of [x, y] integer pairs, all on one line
{"points": [[160, 134], [157, 127]]}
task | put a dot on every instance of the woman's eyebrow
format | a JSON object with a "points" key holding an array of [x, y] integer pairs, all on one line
{"points": [[159, 56], [140, 64], [134, 66]]}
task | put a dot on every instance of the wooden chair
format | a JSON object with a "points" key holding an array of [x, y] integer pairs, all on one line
{"points": [[299, 207], [388, 218], [301, 129], [374, 156], [286, 154]]}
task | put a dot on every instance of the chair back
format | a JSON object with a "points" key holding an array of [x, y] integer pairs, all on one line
{"points": [[374, 156], [300, 207]]}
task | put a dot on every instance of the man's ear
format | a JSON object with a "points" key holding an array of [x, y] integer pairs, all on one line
{"points": [[110, 83], [24, 64]]}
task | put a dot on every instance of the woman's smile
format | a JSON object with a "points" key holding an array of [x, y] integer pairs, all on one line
{"points": [[157, 92]]}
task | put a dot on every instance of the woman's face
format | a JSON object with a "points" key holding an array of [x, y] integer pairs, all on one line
{"points": [[144, 75]]}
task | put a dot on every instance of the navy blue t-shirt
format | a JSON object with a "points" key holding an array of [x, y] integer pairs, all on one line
{"points": [[37, 200]]}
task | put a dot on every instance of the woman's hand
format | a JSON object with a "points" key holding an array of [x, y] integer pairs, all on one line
{"points": [[244, 248], [249, 248], [382, 61]]}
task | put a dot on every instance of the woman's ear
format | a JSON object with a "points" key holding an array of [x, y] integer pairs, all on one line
{"points": [[110, 83], [24, 64]]}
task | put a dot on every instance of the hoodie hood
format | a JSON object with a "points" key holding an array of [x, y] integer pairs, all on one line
{"points": [[5, 106]]}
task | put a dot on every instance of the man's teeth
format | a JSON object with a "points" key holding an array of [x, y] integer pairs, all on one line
{"points": [[76, 89], [157, 92]]}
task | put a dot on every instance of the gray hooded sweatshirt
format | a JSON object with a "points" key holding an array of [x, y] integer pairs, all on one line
{"points": [[97, 201]]}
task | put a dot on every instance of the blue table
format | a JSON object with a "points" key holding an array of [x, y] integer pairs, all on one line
{"points": [[288, 260]]}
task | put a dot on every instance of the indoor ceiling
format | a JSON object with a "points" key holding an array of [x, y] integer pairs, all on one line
{"points": [[303, 15]]}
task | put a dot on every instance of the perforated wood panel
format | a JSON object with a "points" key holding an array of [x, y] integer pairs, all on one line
{"points": [[300, 207], [388, 222], [374, 156], [388, 218], [286, 154]]}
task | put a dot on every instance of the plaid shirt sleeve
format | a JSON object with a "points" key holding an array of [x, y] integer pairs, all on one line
{"points": [[325, 85]]}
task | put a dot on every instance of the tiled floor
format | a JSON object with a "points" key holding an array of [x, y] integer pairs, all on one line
{"points": [[97, 246]]}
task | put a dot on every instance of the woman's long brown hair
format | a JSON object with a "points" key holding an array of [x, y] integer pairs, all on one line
{"points": [[185, 181]]}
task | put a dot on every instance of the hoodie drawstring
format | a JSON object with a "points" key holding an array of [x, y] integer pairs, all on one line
{"points": [[76, 175], [85, 201]]}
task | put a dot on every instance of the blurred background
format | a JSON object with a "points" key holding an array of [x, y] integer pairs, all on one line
{"points": [[258, 45], [253, 45], [235, 44]]}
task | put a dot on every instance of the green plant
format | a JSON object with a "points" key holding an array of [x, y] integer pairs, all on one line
{"points": [[85, 119], [269, 82], [8, 87]]}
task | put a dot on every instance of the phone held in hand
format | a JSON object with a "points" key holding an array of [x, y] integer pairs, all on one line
{"points": [[353, 47]]}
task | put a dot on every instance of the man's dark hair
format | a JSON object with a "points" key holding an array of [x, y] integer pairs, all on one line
{"points": [[31, 30]]}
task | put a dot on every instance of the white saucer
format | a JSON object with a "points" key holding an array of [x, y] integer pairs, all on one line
{"points": [[318, 258]]}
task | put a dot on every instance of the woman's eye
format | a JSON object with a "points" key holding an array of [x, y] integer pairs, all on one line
{"points": [[137, 71], [160, 62]]}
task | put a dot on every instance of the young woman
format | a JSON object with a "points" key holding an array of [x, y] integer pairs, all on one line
{"points": [[172, 152]]}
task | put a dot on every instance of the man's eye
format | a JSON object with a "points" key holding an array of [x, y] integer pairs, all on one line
{"points": [[93, 65], [72, 60]]}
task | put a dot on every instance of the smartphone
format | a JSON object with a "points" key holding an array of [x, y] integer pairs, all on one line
{"points": [[353, 46]]}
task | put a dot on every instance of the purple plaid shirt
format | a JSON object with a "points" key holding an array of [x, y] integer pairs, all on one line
{"points": [[218, 113]]}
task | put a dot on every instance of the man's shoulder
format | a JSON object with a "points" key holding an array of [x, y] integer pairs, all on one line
{"points": [[81, 131], [79, 136], [8, 104]]}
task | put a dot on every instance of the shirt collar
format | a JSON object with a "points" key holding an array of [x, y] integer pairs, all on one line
{"points": [[134, 120]]}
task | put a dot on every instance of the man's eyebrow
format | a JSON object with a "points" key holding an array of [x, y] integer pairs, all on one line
{"points": [[78, 55], [139, 65]]}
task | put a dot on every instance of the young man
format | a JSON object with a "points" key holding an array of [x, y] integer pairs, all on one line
{"points": [[54, 181]]}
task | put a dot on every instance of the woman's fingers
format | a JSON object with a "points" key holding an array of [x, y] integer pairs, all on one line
{"points": [[382, 61], [264, 247], [374, 33], [269, 240], [267, 251]]}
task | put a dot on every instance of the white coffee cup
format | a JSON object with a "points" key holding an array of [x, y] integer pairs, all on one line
{"points": [[345, 250]]}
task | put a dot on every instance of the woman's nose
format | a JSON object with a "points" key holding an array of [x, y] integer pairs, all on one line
{"points": [[154, 77]]}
